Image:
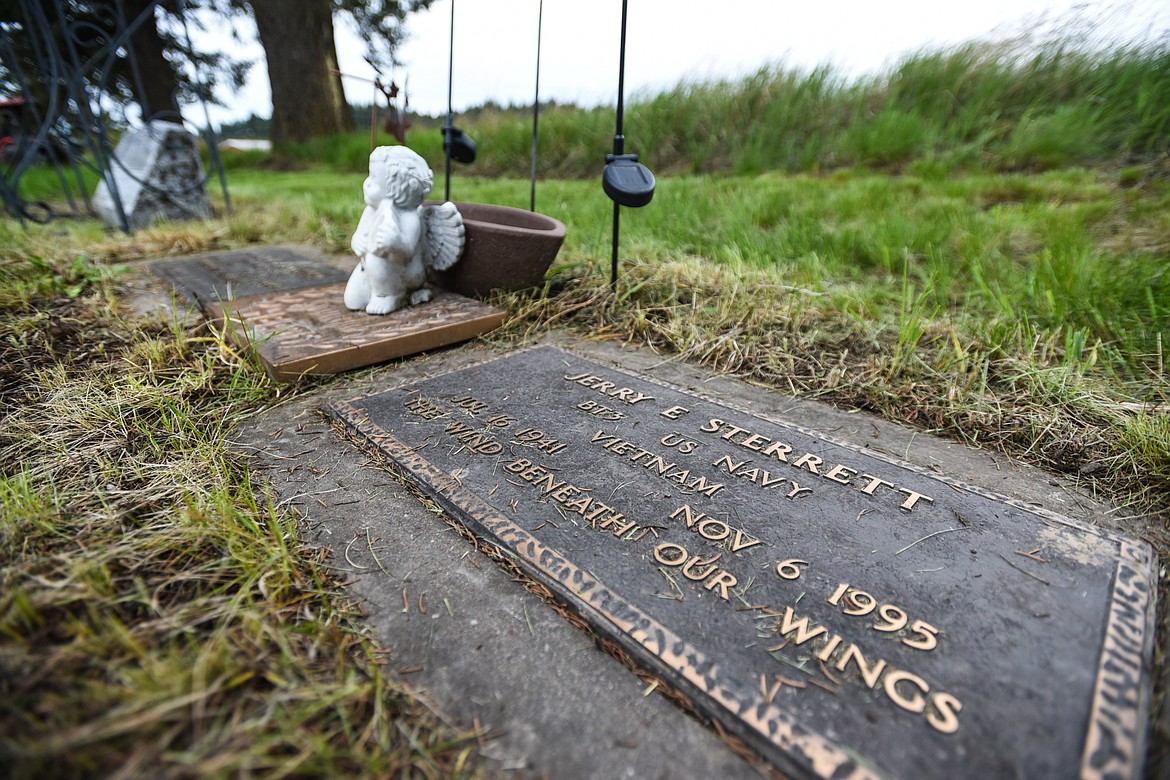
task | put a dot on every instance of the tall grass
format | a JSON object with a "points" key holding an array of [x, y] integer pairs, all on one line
{"points": [[1033, 102], [1019, 104]]}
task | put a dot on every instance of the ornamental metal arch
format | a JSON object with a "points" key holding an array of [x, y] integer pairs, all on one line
{"points": [[58, 71]]}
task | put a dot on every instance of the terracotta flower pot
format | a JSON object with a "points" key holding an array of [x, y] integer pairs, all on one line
{"points": [[507, 249]]}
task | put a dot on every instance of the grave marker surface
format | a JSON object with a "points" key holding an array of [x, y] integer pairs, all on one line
{"points": [[221, 276], [845, 614], [310, 331]]}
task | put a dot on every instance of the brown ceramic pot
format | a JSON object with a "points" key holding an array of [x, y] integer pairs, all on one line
{"points": [[507, 249]]}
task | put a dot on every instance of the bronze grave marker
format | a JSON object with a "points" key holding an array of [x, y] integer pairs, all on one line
{"points": [[309, 330], [221, 276], [842, 612]]}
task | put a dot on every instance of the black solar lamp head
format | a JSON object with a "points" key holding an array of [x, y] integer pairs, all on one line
{"points": [[458, 145], [626, 181]]}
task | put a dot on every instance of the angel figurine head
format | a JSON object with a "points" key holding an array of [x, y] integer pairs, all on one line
{"points": [[397, 238], [397, 174]]}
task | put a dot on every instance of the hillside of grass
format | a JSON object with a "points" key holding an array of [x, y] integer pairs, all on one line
{"points": [[1016, 105]]}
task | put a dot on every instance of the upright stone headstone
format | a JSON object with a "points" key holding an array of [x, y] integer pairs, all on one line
{"points": [[157, 174]]}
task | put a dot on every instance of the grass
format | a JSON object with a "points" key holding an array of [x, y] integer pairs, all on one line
{"points": [[1071, 252], [1007, 287], [158, 614], [1036, 101]]}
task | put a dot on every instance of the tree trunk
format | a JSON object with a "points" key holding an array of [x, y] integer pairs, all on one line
{"points": [[307, 98], [155, 85]]}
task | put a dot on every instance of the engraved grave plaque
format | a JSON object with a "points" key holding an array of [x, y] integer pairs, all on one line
{"points": [[844, 613], [221, 276], [309, 331]]}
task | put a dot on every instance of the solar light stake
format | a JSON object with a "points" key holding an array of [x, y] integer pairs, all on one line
{"points": [[619, 140], [619, 147], [625, 180]]}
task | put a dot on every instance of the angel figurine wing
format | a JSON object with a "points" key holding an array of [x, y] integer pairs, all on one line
{"points": [[443, 239]]}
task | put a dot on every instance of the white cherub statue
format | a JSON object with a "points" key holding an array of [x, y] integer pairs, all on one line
{"points": [[398, 238]]}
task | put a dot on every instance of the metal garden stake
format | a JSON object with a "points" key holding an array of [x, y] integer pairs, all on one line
{"points": [[625, 180]]}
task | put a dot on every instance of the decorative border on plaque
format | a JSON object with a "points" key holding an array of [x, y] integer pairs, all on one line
{"points": [[1116, 742]]}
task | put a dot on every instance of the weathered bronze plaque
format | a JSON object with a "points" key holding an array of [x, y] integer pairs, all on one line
{"points": [[309, 331], [221, 276], [844, 613]]}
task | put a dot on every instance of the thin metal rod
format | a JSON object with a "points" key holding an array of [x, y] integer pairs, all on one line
{"points": [[619, 145], [135, 71], [451, 57], [619, 140], [536, 106], [450, 111]]}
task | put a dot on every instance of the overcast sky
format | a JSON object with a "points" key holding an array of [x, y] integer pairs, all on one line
{"points": [[669, 41]]}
